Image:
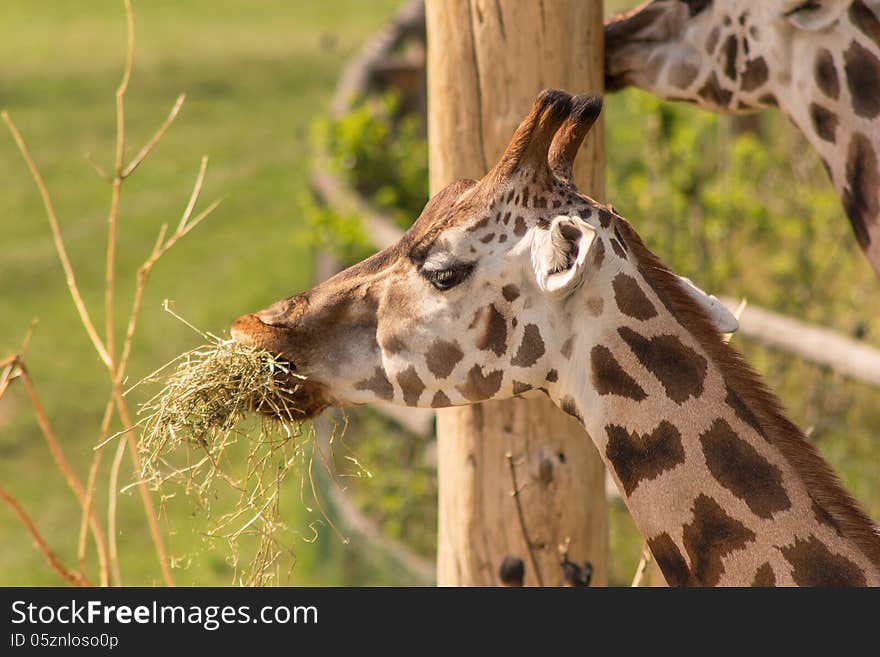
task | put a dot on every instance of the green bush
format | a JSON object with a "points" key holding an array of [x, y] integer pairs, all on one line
{"points": [[381, 153]]}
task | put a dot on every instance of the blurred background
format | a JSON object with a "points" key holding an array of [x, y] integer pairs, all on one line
{"points": [[740, 205]]}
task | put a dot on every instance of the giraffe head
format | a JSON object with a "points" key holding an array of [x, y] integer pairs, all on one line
{"points": [[470, 304], [818, 61], [741, 55]]}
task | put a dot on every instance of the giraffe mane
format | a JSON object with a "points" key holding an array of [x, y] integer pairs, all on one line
{"points": [[823, 484]]}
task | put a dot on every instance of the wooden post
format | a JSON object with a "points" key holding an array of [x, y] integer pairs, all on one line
{"points": [[486, 63]]}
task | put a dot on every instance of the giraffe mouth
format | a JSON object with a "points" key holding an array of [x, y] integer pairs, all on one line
{"points": [[298, 400], [298, 397]]}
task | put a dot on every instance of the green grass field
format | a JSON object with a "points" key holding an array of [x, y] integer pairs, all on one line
{"points": [[255, 73]]}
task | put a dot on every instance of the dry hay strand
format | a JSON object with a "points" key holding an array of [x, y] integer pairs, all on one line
{"points": [[195, 436]]}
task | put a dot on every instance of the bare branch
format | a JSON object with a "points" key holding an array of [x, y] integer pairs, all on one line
{"points": [[194, 196], [113, 217], [112, 493], [150, 145], [522, 519], [87, 505], [54, 562], [643, 564], [61, 461], [98, 168]]}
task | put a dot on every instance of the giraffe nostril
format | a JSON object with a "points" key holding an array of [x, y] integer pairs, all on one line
{"points": [[278, 314]]}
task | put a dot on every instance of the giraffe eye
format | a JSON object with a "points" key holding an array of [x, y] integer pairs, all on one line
{"points": [[696, 6], [809, 5], [448, 278]]}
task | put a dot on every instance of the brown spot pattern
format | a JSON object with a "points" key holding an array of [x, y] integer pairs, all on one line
{"points": [[377, 384], [479, 224], [598, 251], [411, 385], [617, 247], [519, 227], [826, 74], [440, 400], [393, 345], [729, 51], [510, 292], [479, 387], [442, 357], [679, 368], [813, 564], [595, 306], [714, 93], [670, 560], [682, 74], [494, 330], [863, 78], [609, 378], [530, 349], [860, 198], [764, 576], [631, 299], [711, 536], [552, 376], [519, 387], [743, 471], [865, 19], [755, 74], [568, 406], [824, 122], [712, 41], [636, 458]]}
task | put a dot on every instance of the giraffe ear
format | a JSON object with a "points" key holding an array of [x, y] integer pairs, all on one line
{"points": [[559, 254], [530, 143], [723, 320], [568, 139], [815, 15]]}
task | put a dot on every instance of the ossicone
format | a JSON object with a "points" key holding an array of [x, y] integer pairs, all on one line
{"points": [[530, 144], [585, 110]]}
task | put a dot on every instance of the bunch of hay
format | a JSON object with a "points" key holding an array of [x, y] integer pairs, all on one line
{"points": [[196, 435], [212, 389]]}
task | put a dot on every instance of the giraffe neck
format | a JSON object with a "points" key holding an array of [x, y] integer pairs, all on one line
{"points": [[829, 91], [725, 490], [848, 148]]}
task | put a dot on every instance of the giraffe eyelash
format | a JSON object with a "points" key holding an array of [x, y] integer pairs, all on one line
{"points": [[809, 5], [448, 277]]}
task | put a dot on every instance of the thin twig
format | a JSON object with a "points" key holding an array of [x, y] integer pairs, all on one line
{"points": [[90, 493], [61, 461], [643, 564], [112, 493], [84, 316], [147, 501], [51, 558], [98, 168], [10, 368], [113, 216], [522, 519], [150, 145], [194, 196]]}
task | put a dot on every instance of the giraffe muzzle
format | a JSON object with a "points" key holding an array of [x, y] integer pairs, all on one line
{"points": [[307, 396]]}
